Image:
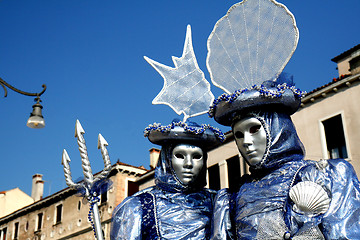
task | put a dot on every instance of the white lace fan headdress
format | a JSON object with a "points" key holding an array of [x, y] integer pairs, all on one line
{"points": [[187, 92], [247, 51]]}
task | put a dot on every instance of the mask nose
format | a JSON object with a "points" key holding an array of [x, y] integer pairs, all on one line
{"points": [[247, 139], [188, 161]]}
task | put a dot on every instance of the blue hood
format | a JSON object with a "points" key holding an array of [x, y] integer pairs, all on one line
{"points": [[283, 143]]}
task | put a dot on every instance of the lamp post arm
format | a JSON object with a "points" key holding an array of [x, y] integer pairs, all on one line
{"points": [[3, 84]]}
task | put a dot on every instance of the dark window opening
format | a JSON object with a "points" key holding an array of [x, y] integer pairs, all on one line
{"points": [[79, 205], [335, 138], [355, 64], [132, 188], [40, 218], [104, 198], [59, 213], [3, 233], [234, 174], [214, 177], [16, 230]]}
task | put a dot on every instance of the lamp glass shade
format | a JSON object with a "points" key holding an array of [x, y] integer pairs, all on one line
{"points": [[35, 122]]}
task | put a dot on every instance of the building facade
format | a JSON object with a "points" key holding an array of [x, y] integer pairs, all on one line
{"points": [[328, 121], [64, 215]]}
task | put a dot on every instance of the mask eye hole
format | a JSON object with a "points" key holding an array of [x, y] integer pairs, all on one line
{"points": [[197, 156], [255, 129], [179, 155], [239, 134]]}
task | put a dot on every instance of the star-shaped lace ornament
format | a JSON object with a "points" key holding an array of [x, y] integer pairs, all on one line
{"points": [[185, 88]]}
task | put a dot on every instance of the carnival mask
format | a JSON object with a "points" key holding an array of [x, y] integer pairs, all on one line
{"points": [[250, 137], [187, 162]]}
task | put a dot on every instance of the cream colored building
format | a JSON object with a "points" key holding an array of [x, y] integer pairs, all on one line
{"points": [[63, 215], [328, 122], [12, 200]]}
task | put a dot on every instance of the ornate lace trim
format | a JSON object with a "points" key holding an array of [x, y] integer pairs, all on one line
{"points": [[197, 130], [264, 91]]}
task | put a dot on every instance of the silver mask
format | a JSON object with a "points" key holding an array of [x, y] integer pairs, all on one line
{"points": [[250, 137], [187, 161]]}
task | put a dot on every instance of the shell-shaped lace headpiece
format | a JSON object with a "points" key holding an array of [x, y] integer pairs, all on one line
{"points": [[252, 44]]}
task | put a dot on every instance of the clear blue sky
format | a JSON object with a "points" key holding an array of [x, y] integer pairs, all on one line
{"points": [[90, 55]]}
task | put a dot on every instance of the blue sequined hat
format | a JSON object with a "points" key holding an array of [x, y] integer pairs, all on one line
{"points": [[247, 53], [203, 135]]}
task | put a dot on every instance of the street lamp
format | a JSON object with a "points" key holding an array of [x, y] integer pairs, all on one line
{"points": [[36, 120]]}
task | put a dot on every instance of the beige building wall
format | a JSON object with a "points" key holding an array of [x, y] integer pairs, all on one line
{"points": [[149, 183], [73, 223], [12, 200], [344, 66], [223, 152], [40, 222], [343, 99]]}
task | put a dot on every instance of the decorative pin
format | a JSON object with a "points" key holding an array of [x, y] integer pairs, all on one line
{"points": [[91, 187]]}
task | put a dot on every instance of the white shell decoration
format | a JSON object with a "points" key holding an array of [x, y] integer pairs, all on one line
{"points": [[310, 198], [252, 43]]}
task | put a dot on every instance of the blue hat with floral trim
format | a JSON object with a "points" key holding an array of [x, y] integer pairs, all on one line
{"points": [[270, 95], [203, 135]]}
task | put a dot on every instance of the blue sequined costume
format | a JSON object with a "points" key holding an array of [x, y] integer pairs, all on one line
{"points": [[262, 209], [170, 210]]}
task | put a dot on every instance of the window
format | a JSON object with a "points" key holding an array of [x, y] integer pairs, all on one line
{"points": [[3, 233], [355, 65], [16, 230], [132, 188], [79, 205], [214, 177], [58, 215], [234, 174], [103, 198], [335, 138], [39, 221]]}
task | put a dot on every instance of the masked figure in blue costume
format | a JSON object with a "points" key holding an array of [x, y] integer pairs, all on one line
{"points": [[284, 196], [178, 207]]}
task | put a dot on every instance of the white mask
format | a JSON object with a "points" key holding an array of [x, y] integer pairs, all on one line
{"points": [[187, 161], [250, 137]]}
